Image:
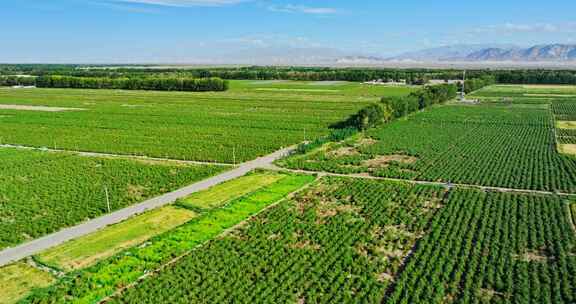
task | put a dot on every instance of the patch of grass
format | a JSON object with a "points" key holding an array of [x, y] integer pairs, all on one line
{"points": [[569, 149], [17, 280], [86, 251], [220, 194], [571, 125], [92, 284]]}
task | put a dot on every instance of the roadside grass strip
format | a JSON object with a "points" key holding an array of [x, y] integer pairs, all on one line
{"points": [[222, 193], [16, 280], [570, 125], [88, 250], [106, 277]]}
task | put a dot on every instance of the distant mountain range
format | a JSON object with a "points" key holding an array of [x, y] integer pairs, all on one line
{"points": [[474, 54], [480, 53], [446, 53]]}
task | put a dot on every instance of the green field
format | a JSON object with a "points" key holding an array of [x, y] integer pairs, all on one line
{"points": [[16, 280], [102, 279], [493, 248], [42, 192], [223, 193], [239, 124], [489, 145], [341, 241], [360, 238], [89, 249]]}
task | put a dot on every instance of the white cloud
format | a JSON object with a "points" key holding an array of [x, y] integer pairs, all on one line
{"points": [[521, 28], [185, 3], [290, 8]]}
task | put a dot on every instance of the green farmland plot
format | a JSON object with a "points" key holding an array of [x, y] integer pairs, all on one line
{"points": [[87, 250], [490, 145], [17, 279], [341, 241], [42, 192], [223, 193], [493, 248], [94, 283], [240, 124]]}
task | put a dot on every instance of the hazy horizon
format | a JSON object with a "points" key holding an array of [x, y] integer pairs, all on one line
{"points": [[225, 31]]}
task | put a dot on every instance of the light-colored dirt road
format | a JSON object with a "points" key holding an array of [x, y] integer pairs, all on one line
{"points": [[33, 247]]}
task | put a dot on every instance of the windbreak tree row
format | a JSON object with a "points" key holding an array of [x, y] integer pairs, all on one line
{"points": [[411, 76], [147, 83], [391, 108]]}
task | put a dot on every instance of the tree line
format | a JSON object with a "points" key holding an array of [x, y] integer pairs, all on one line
{"points": [[156, 84], [411, 76], [390, 108]]}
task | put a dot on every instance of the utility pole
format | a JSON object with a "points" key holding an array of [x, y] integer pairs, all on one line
{"points": [[107, 198]]}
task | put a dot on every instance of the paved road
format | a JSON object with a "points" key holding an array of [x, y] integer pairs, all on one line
{"points": [[43, 243]]}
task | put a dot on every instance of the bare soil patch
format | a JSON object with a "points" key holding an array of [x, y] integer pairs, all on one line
{"points": [[533, 256], [488, 294], [136, 191], [366, 141], [385, 160], [37, 108], [384, 277], [344, 151], [307, 244], [330, 209]]}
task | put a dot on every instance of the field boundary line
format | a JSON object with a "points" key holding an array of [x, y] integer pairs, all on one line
{"points": [[430, 183], [112, 155], [221, 234], [18, 252]]}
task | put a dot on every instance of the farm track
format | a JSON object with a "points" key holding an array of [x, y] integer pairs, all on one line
{"points": [[429, 183], [36, 246], [111, 155]]}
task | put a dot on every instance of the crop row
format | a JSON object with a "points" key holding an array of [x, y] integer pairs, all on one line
{"points": [[43, 192], [499, 146], [566, 136], [564, 110], [168, 125], [493, 248], [104, 278], [340, 242]]}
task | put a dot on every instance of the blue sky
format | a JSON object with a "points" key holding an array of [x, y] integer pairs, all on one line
{"points": [[114, 31]]}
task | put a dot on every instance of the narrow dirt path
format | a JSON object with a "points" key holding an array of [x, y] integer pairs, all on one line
{"points": [[111, 155], [418, 182]]}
